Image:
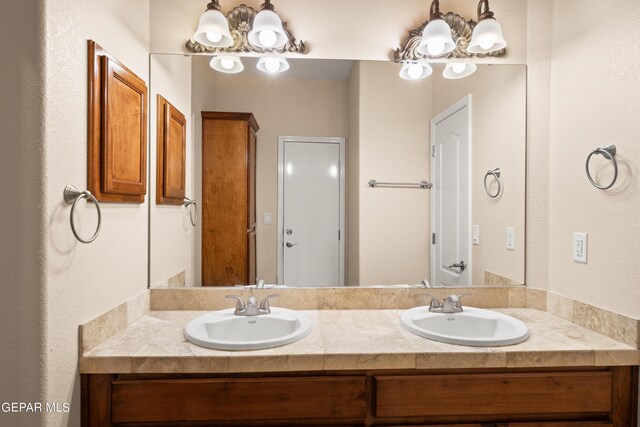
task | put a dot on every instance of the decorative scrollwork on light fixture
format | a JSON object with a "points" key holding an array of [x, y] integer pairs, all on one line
{"points": [[240, 22], [461, 30]]}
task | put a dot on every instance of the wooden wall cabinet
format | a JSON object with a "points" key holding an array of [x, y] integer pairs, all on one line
{"points": [[171, 157], [578, 397], [228, 198], [117, 130]]}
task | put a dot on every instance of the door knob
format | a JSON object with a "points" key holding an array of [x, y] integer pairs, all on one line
{"points": [[290, 245], [461, 265]]}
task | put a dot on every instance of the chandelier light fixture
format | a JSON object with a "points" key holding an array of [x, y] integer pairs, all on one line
{"points": [[436, 36], [213, 28], [272, 64], [459, 70], [487, 34], [226, 64], [415, 70], [267, 31]]}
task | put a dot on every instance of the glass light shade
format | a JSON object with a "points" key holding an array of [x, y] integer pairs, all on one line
{"points": [[436, 39], [459, 70], [415, 70], [273, 65], [269, 23], [487, 37], [213, 30], [226, 64]]}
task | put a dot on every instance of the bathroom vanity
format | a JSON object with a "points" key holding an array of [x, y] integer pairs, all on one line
{"points": [[360, 367]]}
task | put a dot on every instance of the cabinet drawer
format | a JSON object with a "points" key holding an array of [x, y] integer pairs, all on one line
{"points": [[490, 394], [238, 399]]}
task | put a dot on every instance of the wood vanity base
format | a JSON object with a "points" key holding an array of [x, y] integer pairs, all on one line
{"points": [[584, 397]]}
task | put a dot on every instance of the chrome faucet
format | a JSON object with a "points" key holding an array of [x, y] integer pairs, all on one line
{"points": [[252, 308], [450, 304], [260, 284]]}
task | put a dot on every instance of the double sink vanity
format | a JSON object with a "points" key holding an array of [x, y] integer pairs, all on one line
{"points": [[320, 362]]}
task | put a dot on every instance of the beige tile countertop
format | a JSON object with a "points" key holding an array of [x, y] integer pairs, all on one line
{"points": [[347, 340]]}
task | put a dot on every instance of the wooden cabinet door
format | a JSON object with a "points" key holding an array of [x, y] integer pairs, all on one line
{"points": [[171, 146]]}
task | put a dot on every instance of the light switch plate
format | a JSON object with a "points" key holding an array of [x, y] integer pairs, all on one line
{"points": [[266, 217], [475, 233], [511, 238], [580, 247]]}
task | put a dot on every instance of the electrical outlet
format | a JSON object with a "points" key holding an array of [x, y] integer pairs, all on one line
{"points": [[266, 217], [580, 247], [475, 234], [511, 238]]}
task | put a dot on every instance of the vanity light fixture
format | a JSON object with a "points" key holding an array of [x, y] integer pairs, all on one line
{"points": [[226, 64], [487, 34], [213, 28], [436, 36], [416, 70], [459, 70], [272, 64], [267, 31]]}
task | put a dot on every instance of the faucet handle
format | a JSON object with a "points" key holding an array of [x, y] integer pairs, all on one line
{"points": [[435, 303], [264, 304], [455, 299], [459, 303], [240, 307]]}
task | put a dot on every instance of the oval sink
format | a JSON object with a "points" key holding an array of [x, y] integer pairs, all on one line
{"points": [[473, 327], [223, 330]]}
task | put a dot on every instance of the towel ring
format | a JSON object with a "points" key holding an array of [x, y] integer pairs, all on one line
{"points": [[72, 196], [192, 207], [608, 152], [496, 174]]}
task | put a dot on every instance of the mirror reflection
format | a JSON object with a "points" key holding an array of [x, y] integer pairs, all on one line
{"points": [[284, 187]]}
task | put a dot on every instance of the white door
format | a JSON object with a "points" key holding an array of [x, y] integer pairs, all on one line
{"points": [[451, 195], [311, 212]]}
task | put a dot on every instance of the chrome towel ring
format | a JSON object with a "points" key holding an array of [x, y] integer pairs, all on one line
{"points": [[72, 196], [495, 173], [608, 152], [192, 207]]}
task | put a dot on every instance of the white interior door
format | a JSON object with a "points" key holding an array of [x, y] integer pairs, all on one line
{"points": [[451, 195], [311, 213]]}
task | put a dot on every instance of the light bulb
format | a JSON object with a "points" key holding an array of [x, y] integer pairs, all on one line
{"points": [[435, 47], [486, 44], [213, 36], [267, 38], [272, 65], [415, 71], [458, 68], [226, 63]]}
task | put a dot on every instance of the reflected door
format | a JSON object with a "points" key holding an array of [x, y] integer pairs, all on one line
{"points": [[451, 196], [311, 213]]}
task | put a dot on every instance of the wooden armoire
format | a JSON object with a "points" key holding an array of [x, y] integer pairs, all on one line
{"points": [[228, 198]]}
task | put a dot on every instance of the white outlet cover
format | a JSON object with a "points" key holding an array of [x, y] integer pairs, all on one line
{"points": [[580, 247], [266, 217], [511, 238]]}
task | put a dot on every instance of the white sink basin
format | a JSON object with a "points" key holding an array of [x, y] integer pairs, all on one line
{"points": [[223, 330], [473, 327]]}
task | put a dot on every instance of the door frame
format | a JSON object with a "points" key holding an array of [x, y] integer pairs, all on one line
{"points": [[280, 250], [465, 101]]}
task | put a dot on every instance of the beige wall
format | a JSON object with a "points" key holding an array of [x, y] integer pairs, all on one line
{"points": [[83, 281], [353, 180], [338, 29], [283, 107], [595, 101], [394, 140], [171, 233], [22, 258], [498, 140]]}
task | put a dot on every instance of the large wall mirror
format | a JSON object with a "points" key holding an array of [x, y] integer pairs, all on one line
{"points": [[326, 129]]}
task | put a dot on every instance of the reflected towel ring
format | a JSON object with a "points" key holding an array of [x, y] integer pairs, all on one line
{"points": [[192, 207], [608, 152], [72, 196], [496, 174]]}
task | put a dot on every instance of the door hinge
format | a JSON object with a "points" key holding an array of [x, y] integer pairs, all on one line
{"points": [[433, 151], [433, 238]]}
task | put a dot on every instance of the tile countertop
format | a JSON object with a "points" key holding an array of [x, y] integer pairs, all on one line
{"points": [[349, 340]]}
